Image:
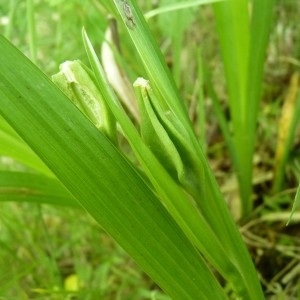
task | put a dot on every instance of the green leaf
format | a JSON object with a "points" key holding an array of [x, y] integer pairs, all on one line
{"points": [[243, 42], [177, 6], [35, 188], [13, 146], [295, 205], [100, 178]]}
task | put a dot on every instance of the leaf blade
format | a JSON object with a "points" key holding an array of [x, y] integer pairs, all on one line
{"points": [[90, 166]]}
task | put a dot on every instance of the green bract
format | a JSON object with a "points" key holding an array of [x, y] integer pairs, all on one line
{"points": [[78, 83]]}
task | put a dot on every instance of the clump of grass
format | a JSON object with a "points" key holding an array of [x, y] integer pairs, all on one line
{"points": [[173, 192]]}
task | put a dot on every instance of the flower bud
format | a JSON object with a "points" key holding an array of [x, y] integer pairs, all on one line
{"points": [[78, 83]]}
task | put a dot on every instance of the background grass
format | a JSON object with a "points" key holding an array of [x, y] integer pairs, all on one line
{"points": [[41, 247]]}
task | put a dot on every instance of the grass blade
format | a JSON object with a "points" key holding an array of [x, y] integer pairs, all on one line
{"points": [[35, 188], [286, 131], [177, 6], [13, 146], [243, 44]]}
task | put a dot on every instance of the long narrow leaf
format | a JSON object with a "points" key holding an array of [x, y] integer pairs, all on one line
{"points": [[177, 6], [13, 146], [243, 38], [234, 34], [100, 178], [35, 188]]}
